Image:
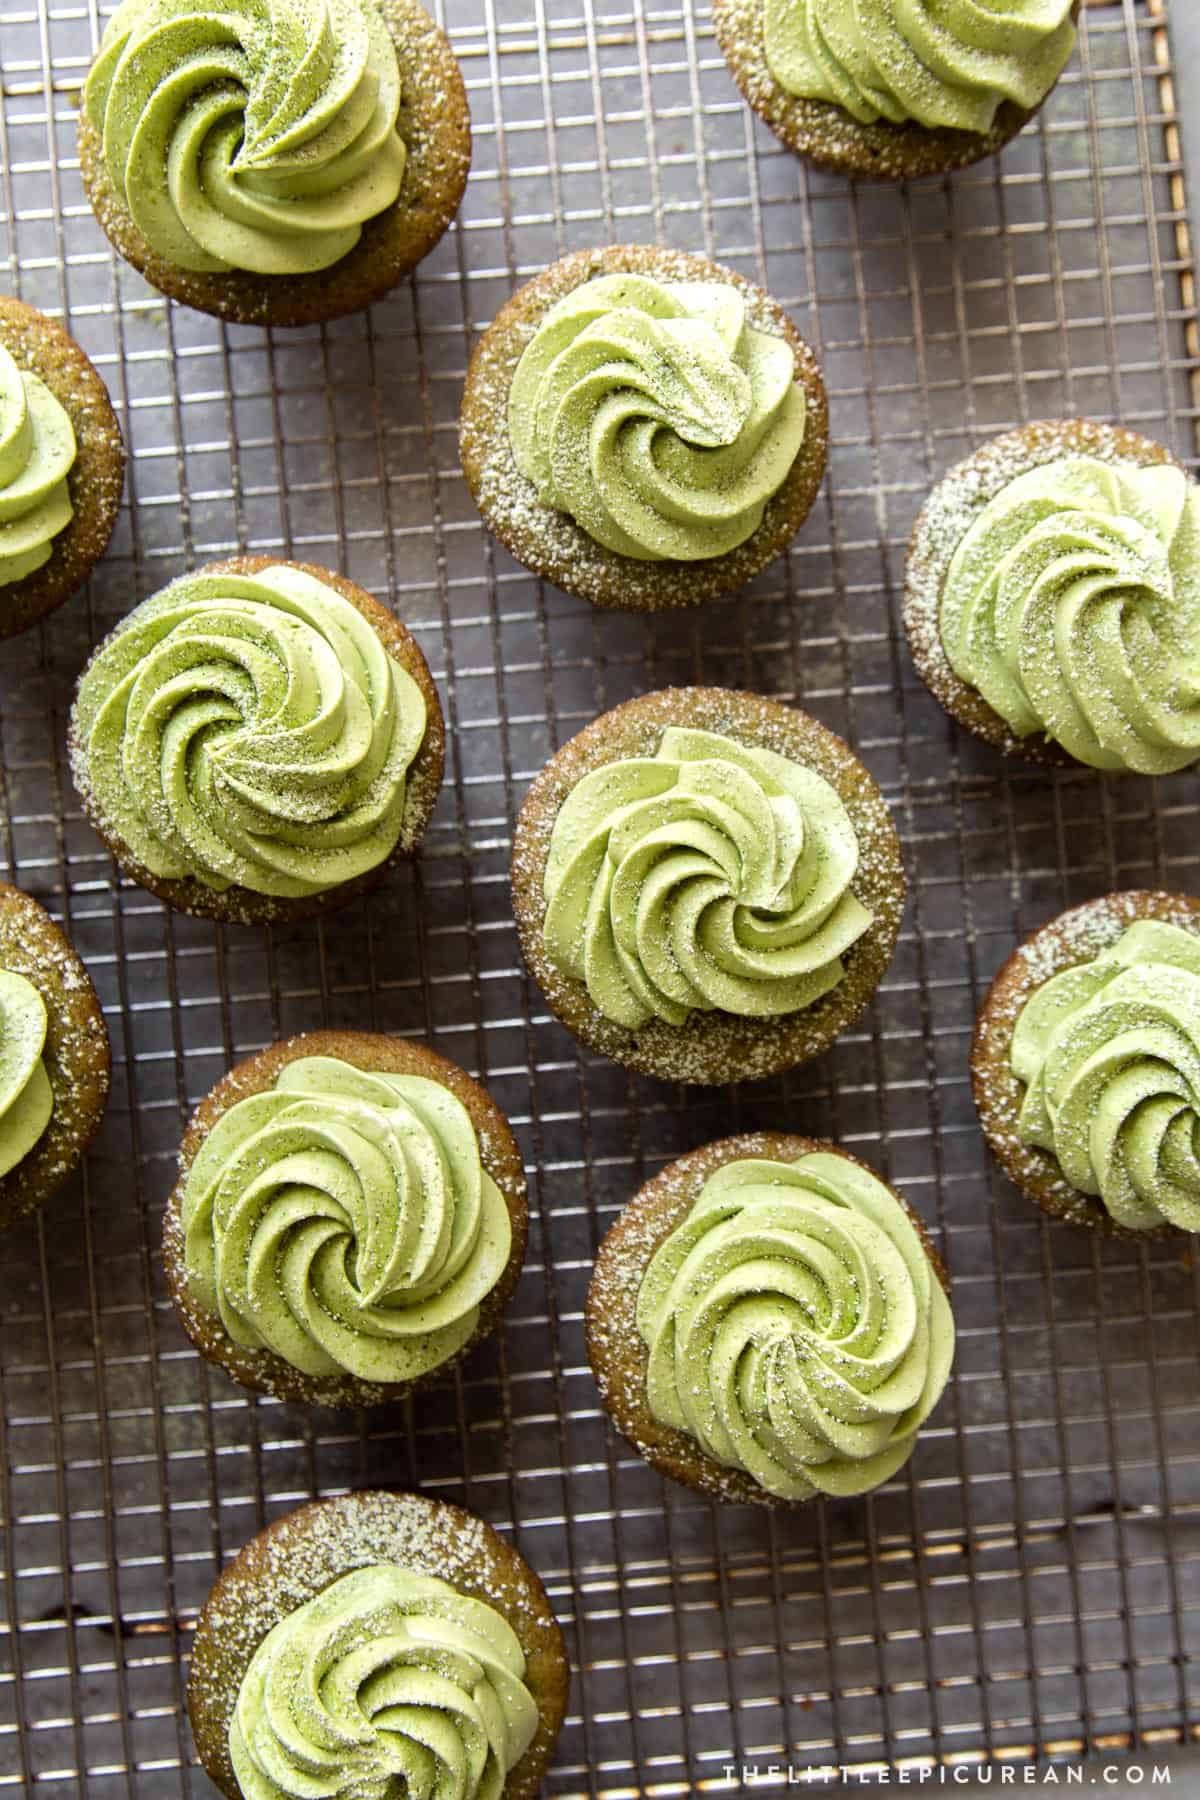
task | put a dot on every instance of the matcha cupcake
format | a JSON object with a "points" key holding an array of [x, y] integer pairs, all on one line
{"points": [[54, 1057], [707, 885], [1086, 1064], [258, 741], [62, 466], [350, 1219], [892, 92], [277, 163], [768, 1322], [643, 428], [377, 1645], [1053, 598]]}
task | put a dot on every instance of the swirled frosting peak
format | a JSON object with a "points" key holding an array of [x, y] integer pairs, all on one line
{"points": [[344, 1220], [387, 1685], [1109, 1051], [943, 64], [249, 730], [796, 1328], [258, 135], [711, 875], [656, 415], [26, 1097], [1072, 604], [37, 453]]}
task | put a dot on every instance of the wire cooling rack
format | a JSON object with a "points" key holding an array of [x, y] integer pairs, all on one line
{"points": [[1031, 1584]]}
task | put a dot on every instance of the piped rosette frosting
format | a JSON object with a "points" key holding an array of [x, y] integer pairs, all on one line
{"points": [[386, 1684], [1072, 604], [258, 136], [344, 1220], [37, 453], [711, 875], [26, 1096], [248, 730], [796, 1327], [1109, 1051], [941, 64], [657, 415]]}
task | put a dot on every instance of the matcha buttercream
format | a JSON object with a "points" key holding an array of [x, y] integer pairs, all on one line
{"points": [[656, 415], [711, 875], [26, 1097], [796, 1327], [942, 64], [248, 730], [257, 136], [1109, 1051], [37, 453], [387, 1683], [1072, 604], [344, 1220]]}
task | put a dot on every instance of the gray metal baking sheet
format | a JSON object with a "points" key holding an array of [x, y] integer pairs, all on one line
{"points": [[1032, 1581]]}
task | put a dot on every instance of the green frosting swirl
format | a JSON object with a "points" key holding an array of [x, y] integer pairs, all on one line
{"points": [[796, 1328], [249, 729], [1073, 605], [26, 1097], [1109, 1051], [37, 453], [656, 416], [255, 134], [943, 64], [344, 1220], [710, 875], [388, 1685]]}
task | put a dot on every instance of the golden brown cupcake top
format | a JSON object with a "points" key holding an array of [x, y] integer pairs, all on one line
{"points": [[795, 1326], [1053, 597], [1086, 1063], [403, 1596], [797, 937], [62, 466], [335, 1235], [1108, 1052], [54, 1056], [608, 352], [767, 1321]]}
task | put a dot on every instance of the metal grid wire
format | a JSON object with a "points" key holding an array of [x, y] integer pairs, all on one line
{"points": [[1033, 1579]]}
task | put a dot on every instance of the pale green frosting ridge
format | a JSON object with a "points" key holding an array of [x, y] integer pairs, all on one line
{"points": [[387, 1685], [249, 730], [37, 453], [26, 1097], [711, 875], [943, 64], [343, 1219], [1109, 1051], [1072, 604], [250, 134], [796, 1327], [656, 415]]}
